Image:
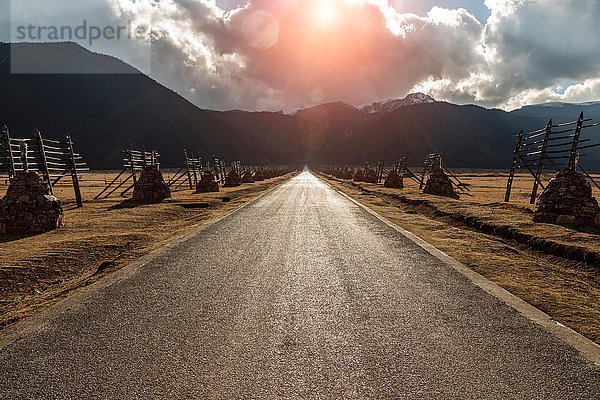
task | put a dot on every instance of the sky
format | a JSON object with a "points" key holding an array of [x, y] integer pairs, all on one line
{"points": [[276, 54]]}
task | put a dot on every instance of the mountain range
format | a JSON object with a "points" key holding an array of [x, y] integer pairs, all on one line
{"points": [[103, 111]]}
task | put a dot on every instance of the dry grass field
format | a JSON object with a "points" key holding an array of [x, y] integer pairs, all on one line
{"points": [[104, 235], [554, 268]]}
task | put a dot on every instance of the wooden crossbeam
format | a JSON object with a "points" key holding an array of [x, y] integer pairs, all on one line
{"points": [[549, 151]]}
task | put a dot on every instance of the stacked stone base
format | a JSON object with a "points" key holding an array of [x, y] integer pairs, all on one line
{"points": [[207, 183], [258, 176], [394, 180], [151, 186], [439, 184], [568, 200], [344, 173], [348, 174], [370, 175], [233, 179], [247, 177], [28, 207], [359, 176]]}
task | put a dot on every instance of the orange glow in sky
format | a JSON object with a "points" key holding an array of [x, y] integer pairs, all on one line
{"points": [[323, 44], [325, 12]]}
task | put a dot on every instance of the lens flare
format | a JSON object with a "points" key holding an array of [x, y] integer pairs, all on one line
{"points": [[261, 29], [317, 95]]}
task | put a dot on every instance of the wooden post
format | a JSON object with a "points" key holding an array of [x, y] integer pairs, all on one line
{"points": [[216, 168], [24, 161], [380, 167], [197, 165], [110, 184], [74, 176], [540, 168], [222, 169], [422, 182], [513, 166], [9, 154], [187, 166], [402, 166], [42, 154], [573, 157], [131, 162], [144, 164]]}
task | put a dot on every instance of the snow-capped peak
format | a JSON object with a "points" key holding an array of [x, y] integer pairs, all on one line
{"points": [[384, 107]]}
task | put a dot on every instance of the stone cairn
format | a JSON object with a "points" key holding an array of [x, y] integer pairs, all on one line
{"points": [[347, 173], [151, 186], [568, 200], [258, 176], [394, 180], [247, 177], [233, 179], [28, 206], [207, 183], [370, 175], [439, 184], [359, 176]]}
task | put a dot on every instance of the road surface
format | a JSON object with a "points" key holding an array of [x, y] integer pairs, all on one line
{"points": [[300, 294]]}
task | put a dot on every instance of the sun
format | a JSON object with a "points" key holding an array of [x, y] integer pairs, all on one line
{"points": [[326, 13]]}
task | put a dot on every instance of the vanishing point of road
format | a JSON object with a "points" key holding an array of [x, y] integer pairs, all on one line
{"points": [[300, 294]]}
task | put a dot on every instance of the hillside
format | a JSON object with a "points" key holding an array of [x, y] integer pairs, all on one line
{"points": [[472, 136], [103, 111], [304, 134], [561, 112]]}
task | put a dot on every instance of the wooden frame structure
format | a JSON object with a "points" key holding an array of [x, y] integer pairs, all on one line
{"points": [[436, 160], [237, 167], [190, 171], [544, 147], [379, 170], [134, 161], [219, 169], [53, 159], [404, 171]]}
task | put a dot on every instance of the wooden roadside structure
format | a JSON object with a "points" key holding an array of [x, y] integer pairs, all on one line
{"points": [[237, 167], [556, 146], [404, 171], [219, 169], [134, 162], [53, 159], [434, 161], [380, 170], [190, 171]]}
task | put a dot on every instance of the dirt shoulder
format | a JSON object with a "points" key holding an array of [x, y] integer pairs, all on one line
{"points": [[103, 236], [554, 268]]}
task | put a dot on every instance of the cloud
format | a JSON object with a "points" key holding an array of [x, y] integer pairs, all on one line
{"points": [[270, 54], [530, 47]]}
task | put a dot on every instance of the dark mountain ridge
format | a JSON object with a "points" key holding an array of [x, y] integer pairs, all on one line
{"points": [[102, 111], [471, 136]]}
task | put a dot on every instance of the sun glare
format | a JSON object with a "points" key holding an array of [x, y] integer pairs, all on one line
{"points": [[325, 13]]}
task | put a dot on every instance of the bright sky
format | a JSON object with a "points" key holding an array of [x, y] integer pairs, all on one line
{"points": [[271, 54]]}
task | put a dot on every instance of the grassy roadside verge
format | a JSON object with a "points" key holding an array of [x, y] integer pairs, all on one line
{"points": [[103, 236], [557, 282]]}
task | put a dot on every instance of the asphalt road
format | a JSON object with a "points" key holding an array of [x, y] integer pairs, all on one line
{"points": [[301, 294]]}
